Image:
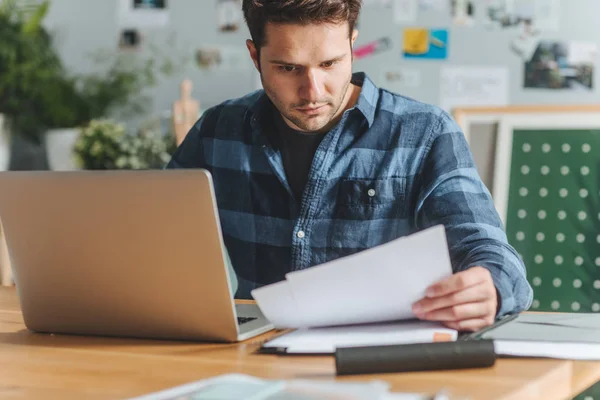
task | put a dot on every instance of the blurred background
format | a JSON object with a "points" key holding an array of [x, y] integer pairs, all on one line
{"points": [[120, 63]]}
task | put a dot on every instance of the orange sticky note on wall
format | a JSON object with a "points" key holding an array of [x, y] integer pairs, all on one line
{"points": [[416, 41]]}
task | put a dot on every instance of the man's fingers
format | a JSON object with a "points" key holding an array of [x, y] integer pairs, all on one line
{"points": [[473, 294], [471, 325], [460, 312], [459, 281]]}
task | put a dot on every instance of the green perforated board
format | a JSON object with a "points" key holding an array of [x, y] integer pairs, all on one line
{"points": [[553, 216]]}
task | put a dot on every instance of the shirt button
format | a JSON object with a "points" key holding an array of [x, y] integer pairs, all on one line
{"points": [[300, 234], [371, 192]]}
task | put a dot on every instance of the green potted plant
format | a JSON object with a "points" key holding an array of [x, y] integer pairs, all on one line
{"points": [[28, 63], [45, 103], [119, 91], [105, 144]]}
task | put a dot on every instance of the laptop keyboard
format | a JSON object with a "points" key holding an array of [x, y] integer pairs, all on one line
{"points": [[243, 320]]}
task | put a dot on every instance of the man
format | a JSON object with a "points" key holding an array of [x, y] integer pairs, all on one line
{"points": [[323, 164]]}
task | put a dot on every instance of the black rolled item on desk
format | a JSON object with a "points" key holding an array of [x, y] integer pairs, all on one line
{"points": [[415, 357]]}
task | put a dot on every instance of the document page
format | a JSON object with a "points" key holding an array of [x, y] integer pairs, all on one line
{"points": [[376, 285]]}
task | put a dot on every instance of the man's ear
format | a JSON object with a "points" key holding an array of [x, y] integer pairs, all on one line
{"points": [[253, 54], [354, 36], [352, 40]]}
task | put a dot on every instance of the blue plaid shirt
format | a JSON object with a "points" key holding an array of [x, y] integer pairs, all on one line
{"points": [[392, 166]]}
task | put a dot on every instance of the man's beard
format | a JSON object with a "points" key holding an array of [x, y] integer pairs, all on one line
{"points": [[304, 124]]}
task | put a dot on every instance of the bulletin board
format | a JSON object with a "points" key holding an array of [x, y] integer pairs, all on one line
{"points": [[547, 192], [443, 52]]}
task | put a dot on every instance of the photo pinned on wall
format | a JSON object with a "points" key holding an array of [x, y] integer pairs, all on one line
{"points": [[149, 4], [372, 48], [405, 11], [463, 12], [130, 39], [542, 15], [425, 43], [143, 13], [503, 14], [562, 65], [223, 58], [229, 15], [401, 77]]}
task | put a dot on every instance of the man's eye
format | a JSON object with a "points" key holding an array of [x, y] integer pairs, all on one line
{"points": [[328, 64], [287, 68]]}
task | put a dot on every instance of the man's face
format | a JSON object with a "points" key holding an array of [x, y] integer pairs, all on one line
{"points": [[306, 71]]}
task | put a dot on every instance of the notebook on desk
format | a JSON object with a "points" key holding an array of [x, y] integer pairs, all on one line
{"points": [[572, 336]]}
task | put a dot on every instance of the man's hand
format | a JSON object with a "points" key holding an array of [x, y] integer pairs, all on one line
{"points": [[466, 301]]}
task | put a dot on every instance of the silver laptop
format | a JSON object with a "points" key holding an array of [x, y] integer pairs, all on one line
{"points": [[122, 253]]}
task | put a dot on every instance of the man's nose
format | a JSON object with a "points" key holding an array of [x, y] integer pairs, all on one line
{"points": [[312, 87]]}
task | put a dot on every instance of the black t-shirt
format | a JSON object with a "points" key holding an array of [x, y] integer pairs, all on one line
{"points": [[297, 150]]}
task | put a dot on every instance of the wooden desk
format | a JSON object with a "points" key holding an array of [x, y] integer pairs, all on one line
{"points": [[64, 367]]}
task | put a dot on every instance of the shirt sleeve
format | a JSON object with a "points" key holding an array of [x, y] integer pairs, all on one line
{"points": [[452, 194]]}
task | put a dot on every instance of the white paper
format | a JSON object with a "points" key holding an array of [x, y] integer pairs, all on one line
{"points": [[277, 305], [560, 350], [140, 14], [573, 320], [326, 340], [582, 53], [238, 386], [525, 45], [375, 285], [473, 86], [401, 77], [405, 11]]}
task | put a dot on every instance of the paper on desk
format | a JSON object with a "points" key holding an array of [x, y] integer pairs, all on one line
{"points": [[326, 340], [549, 328], [277, 304], [375, 285], [238, 386], [560, 350], [573, 320]]}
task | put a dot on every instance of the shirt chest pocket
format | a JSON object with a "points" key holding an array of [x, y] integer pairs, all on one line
{"points": [[368, 199]]}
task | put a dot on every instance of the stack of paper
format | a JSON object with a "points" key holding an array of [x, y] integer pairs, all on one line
{"points": [[327, 340], [375, 285], [238, 386]]}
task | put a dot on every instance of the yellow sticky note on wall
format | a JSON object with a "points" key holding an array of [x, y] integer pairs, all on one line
{"points": [[416, 41]]}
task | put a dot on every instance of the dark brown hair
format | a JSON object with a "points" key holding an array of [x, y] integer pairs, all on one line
{"points": [[258, 13]]}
